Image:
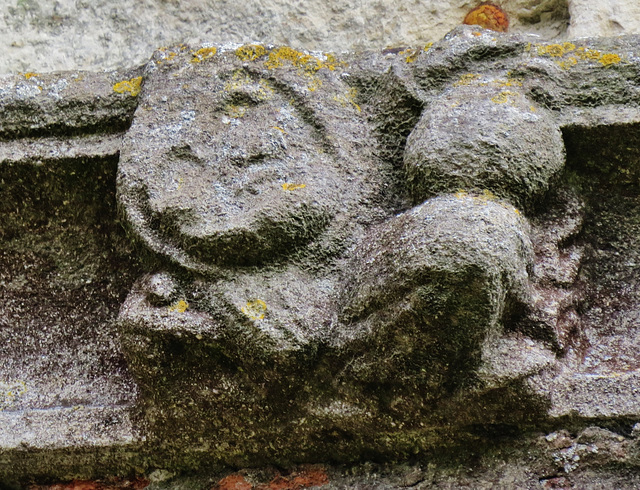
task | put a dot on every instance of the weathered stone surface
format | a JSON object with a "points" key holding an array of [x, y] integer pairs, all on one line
{"points": [[70, 35], [250, 162], [75, 103], [65, 264], [484, 134], [295, 296], [435, 283]]}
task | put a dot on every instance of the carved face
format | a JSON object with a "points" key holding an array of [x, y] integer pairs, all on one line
{"points": [[234, 176]]}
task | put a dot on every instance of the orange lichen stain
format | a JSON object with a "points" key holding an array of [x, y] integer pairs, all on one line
{"points": [[251, 52], [203, 54], [233, 482], [132, 86], [179, 307], [30, 74], [489, 16], [109, 484], [298, 480], [292, 187], [609, 59], [255, 309], [309, 478]]}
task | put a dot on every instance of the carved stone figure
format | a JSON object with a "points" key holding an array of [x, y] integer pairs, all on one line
{"points": [[255, 172], [367, 257]]}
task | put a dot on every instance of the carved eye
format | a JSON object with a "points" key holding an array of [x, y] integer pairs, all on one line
{"points": [[489, 16]]}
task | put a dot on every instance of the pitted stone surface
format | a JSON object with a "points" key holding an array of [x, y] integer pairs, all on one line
{"points": [[483, 133], [297, 294], [238, 165], [422, 259]]}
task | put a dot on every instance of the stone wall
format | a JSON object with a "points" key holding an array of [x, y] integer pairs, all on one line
{"points": [[96, 35]]}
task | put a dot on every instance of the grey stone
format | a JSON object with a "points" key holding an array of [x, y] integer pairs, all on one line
{"points": [[374, 312], [481, 134]]}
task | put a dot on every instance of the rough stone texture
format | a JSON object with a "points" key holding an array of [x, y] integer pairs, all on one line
{"points": [[70, 34], [65, 264], [484, 134], [277, 344]]}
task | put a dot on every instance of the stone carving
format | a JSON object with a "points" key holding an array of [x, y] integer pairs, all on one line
{"points": [[314, 278], [372, 255]]}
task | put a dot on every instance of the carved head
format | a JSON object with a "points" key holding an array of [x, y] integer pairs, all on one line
{"points": [[228, 165]]}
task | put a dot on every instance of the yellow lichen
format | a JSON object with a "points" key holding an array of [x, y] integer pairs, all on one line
{"points": [[609, 59], [314, 85], [300, 60], [410, 55], [251, 52], [587, 54], [504, 97], [255, 309], [348, 99], [203, 54], [555, 50], [30, 74], [568, 63], [551, 50], [466, 79], [235, 111], [292, 187], [577, 54], [179, 306], [279, 129], [241, 81], [461, 194], [10, 392], [132, 86], [509, 81]]}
